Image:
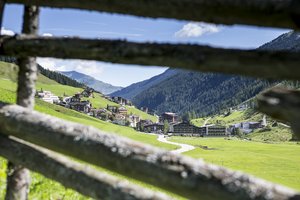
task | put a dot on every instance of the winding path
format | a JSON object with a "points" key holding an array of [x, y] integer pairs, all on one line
{"points": [[183, 147], [205, 122]]}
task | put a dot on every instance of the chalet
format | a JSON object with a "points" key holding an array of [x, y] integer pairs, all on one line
{"points": [[133, 120], [121, 101], [113, 109], [187, 129], [82, 106], [47, 96], [154, 128], [122, 110], [170, 117], [142, 123], [87, 92], [100, 112], [119, 119], [255, 125], [75, 103], [246, 127]]}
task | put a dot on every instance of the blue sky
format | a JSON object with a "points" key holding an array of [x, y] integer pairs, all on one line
{"points": [[67, 22]]}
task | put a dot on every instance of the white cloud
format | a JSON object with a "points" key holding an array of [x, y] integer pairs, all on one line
{"points": [[47, 35], [196, 29], [91, 68], [7, 32]]}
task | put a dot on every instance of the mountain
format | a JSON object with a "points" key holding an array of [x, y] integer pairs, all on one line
{"points": [[58, 77], [207, 93], [131, 91], [202, 93], [288, 41], [100, 86]]}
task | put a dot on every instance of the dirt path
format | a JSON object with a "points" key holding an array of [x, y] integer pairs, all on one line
{"points": [[183, 147], [205, 122]]}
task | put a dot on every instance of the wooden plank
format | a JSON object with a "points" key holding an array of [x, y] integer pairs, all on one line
{"points": [[18, 180], [274, 13], [84, 179], [282, 104], [185, 176], [258, 63]]}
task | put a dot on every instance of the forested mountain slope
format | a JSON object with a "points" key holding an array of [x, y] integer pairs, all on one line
{"points": [[208, 93], [131, 91]]}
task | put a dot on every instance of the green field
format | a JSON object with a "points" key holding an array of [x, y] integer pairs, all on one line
{"points": [[42, 188], [279, 163], [274, 161]]}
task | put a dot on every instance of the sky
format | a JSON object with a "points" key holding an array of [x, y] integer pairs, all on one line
{"points": [[87, 24]]}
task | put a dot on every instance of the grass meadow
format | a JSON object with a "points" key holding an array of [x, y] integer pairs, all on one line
{"points": [[276, 162]]}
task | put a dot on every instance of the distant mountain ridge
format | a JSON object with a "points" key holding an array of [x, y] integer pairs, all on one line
{"points": [[206, 93], [134, 89], [53, 75], [288, 41], [98, 85]]}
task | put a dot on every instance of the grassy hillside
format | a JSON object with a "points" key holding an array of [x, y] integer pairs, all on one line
{"points": [[277, 133], [279, 163], [232, 118], [8, 71], [42, 188], [101, 102]]}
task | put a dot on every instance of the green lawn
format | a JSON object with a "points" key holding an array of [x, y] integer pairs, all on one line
{"points": [[279, 163]]}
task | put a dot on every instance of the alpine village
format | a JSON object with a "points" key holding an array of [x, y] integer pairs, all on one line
{"points": [[181, 133]]}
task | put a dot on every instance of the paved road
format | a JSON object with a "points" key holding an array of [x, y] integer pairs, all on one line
{"points": [[183, 147]]}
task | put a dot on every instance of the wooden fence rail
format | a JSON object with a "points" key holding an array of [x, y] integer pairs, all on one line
{"points": [[282, 104], [185, 176], [275, 13], [86, 180], [259, 63]]}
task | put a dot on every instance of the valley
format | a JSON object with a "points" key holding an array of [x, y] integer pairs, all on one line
{"points": [[262, 156]]}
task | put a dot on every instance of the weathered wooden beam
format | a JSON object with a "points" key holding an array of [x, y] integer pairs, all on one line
{"points": [[275, 13], [2, 6], [185, 176], [259, 63], [282, 104], [18, 177], [84, 179]]}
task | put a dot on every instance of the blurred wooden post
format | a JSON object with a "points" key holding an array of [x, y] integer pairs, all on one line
{"points": [[18, 177], [2, 5]]}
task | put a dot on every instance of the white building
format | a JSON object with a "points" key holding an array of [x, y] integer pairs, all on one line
{"points": [[48, 97]]}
